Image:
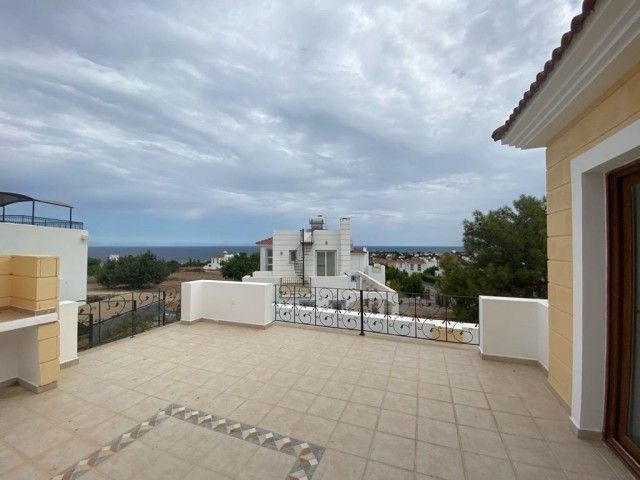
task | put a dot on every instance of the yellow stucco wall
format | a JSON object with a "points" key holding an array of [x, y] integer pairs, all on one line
{"points": [[613, 111]]}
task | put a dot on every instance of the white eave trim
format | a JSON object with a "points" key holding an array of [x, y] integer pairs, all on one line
{"points": [[606, 48]]}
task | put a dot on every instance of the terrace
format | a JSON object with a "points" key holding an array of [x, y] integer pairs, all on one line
{"points": [[214, 401]]}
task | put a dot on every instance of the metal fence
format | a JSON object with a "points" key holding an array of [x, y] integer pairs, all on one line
{"points": [[41, 221], [430, 317], [124, 315]]}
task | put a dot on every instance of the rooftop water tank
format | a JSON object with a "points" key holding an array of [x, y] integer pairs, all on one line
{"points": [[316, 222]]}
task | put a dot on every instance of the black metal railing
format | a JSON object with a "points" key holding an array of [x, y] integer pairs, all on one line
{"points": [[126, 314], [41, 221], [430, 317]]}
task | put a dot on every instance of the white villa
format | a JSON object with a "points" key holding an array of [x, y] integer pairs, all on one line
{"points": [[318, 257], [215, 263]]}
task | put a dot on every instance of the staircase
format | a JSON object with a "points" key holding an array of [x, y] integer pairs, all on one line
{"points": [[301, 254]]}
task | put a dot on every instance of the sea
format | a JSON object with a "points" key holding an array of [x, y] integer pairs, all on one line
{"points": [[184, 253]]}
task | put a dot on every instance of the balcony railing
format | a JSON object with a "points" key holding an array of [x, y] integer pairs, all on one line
{"points": [[41, 221], [429, 317]]}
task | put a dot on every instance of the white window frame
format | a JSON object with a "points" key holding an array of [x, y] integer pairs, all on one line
{"points": [[335, 257], [269, 259]]}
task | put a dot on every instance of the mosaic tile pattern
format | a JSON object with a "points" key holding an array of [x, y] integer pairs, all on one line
{"points": [[307, 455]]}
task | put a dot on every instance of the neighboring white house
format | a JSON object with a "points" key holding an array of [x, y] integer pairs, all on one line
{"points": [[316, 256], [34, 235], [216, 262]]}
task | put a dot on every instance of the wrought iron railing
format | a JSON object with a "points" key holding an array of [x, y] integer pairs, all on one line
{"points": [[429, 317], [126, 314], [41, 221]]}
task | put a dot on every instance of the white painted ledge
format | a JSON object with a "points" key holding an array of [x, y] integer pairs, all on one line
{"points": [[515, 329], [243, 303]]}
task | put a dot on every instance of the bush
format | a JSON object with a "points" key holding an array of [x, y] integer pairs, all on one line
{"points": [[93, 266], [240, 265], [134, 271]]}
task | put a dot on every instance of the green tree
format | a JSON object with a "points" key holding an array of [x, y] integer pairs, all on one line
{"points": [[505, 253], [93, 266], [240, 265], [401, 281], [134, 271]]}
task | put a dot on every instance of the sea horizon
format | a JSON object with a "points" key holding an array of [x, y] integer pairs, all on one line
{"points": [[183, 253]]}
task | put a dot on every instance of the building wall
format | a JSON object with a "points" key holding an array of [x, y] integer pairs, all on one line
{"points": [[70, 245], [616, 109]]}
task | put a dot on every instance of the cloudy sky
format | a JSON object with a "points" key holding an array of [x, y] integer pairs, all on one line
{"points": [[187, 122]]}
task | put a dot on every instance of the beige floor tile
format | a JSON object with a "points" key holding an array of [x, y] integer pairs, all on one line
{"points": [[9, 458], [280, 420], [482, 467], [25, 472], [437, 432], [557, 430], [438, 461], [35, 436], [165, 467], [346, 376], [119, 466], [361, 415], [471, 398], [326, 407], [313, 429], [503, 403], [392, 450], [145, 408], [517, 425], [530, 451], [436, 409], [400, 403], [351, 439], [65, 455], [397, 423], [284, 379], [581, 459], [310, 384], [199, 473], [367, 396], [251, 412], [407, 387], [266, 463], [244, 388], [269, 394], [484, 442], [380, 471], [475, 417], [297, 400], [339, 390], [372, 380], [229, 456], [224, 404], [464, 381], [435, 392], [340, 466], [530, 472]]}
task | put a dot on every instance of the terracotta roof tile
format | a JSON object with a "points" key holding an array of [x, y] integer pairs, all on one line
{"points": [[576, 26], [265, 241]]}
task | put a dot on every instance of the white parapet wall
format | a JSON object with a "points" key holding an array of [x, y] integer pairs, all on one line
{"points": [[515, 329], [70, 245], [242, 303]]}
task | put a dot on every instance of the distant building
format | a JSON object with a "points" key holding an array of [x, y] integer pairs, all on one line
{"points": [[317, 256], [114, 257], [216, 262]]}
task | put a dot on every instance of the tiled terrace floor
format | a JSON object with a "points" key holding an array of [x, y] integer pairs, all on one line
{"points": [[368, 408]]}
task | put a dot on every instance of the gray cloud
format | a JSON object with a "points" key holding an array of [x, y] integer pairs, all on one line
{"points": [[260, 113]]}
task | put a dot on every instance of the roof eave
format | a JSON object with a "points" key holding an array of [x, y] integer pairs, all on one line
{"points": [[607, 47]]}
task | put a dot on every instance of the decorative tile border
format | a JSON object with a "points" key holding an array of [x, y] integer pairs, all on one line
{"points": [[307, 455]]}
